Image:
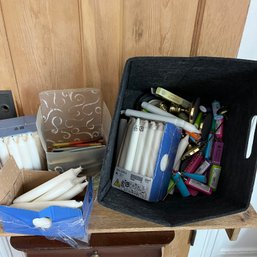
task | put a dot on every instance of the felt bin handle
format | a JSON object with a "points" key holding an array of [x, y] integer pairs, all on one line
{"points": [[251, 134]]}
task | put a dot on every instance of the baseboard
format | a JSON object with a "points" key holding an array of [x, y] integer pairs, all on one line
{"points": [[238, 252]]}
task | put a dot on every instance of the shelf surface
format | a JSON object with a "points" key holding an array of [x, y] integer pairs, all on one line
{"points": [[105, 220]]}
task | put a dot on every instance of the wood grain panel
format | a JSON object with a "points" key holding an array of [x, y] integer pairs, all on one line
{"points": [[158, 27], [222, 27], [101, 24], [7, 75], [105, 220], [44, 38], [179, 247]]}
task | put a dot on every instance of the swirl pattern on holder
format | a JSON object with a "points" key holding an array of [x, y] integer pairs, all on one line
{"points": [[71, 115]]}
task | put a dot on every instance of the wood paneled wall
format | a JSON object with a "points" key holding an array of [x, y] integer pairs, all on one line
{"points": [[56, 44]]}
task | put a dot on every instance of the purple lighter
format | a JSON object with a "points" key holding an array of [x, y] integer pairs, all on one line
{"points": [[217, 152], [196, 161]]}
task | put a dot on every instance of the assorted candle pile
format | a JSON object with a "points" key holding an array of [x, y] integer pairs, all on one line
{"points": [[196, 168], [55, 192], [197, 164]]}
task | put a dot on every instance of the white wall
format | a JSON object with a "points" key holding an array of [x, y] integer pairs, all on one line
{"points": [[215, 243]]}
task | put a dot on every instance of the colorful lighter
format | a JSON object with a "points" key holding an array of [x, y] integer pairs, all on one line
{"points": [[207, 124], [171, 187], [219, 126], [208, 149], [194, 136], [199, 186], [197, 177], [215, 107], [194, 163], [217, 152], [194, 110], [198, 120], [180, 184], [191, 152], [203, 167], [214, 176]]}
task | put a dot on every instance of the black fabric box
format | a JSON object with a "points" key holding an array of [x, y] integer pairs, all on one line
{"points": [[231, 81]]}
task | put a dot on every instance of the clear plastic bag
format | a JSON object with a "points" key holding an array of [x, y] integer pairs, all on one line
{"points": [[69, 225]]}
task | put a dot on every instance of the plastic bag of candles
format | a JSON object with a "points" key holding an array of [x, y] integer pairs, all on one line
{"points": [[45, 203]]}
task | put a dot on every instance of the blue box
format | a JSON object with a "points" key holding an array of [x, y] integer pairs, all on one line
{"points": [[152, 189]]}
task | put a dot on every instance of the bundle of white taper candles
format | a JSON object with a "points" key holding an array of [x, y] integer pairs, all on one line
{"points": [[25, 149], [140, 146], [143, 137], [57, 191]]}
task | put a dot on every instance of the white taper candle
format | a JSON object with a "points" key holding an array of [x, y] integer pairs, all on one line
{"points": [[155, 150], [43, 188], [140, 146], [132, 146], [148, 148]]}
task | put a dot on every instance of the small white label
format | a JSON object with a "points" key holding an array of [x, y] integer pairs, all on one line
{"points": [[203, 167], [199, 185], [164, 162], [132, 183]]}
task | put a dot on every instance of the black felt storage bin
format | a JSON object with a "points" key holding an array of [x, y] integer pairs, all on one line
{"points": [[231, 81]]}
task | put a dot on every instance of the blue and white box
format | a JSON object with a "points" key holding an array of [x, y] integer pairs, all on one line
{"points": [[152, 189]]}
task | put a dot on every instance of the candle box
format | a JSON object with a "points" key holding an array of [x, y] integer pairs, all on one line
{"points": [[152, 189]]}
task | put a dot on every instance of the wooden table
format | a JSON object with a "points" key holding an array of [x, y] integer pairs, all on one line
{"points": [[113, 230]]}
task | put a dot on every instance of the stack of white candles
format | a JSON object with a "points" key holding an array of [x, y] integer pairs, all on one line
{"points": [[140, 146], [26, 150], [55, 192]]}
